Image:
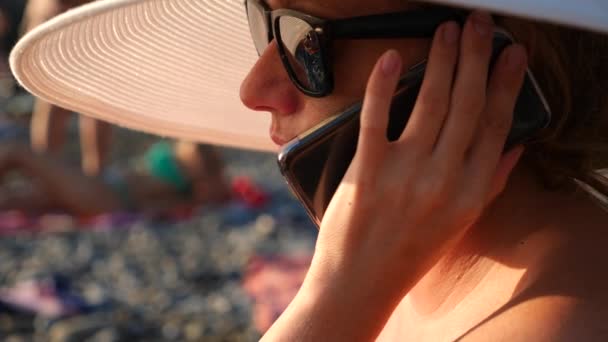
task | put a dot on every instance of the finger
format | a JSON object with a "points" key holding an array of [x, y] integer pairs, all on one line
{"points": [[496, 120], [469, 92], [376, 105], [433, 100]]}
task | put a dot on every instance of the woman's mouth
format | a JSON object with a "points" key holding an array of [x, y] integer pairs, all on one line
{"points": [[278, 140]]}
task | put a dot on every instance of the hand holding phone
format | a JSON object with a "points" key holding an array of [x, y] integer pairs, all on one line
{"points": [[314, 164], [402, 204]]}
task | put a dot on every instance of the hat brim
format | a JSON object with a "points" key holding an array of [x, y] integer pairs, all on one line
{"points": [[171, 68], [589, 15], [174, 67]]}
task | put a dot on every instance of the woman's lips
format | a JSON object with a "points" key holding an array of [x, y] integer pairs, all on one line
{"points": [[280, 141]]}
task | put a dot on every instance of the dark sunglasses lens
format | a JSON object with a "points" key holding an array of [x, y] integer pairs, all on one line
{"points": [[258, 26], [303, 48]]}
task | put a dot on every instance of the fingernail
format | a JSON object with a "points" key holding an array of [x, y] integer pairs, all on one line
{"points": [[516, 57], [451, 33], [390, 62], [482, 21]]}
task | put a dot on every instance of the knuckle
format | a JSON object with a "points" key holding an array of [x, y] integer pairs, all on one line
{"points": [[499, 125], [477, 104], [367, 198], [472, 105], [387, 189], [432, 193], [372, 128], [376, 90], [475, 52], [506, 82], [375, 94], [379, 88], [430, 102], [479, 47], [505, 70], [445, 53]]}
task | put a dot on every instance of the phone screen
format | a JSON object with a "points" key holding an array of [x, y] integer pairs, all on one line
{"points": [[315, 162]]}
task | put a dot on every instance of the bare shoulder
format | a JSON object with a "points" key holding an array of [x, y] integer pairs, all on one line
{"points": [[548, 318], [562, 298]]}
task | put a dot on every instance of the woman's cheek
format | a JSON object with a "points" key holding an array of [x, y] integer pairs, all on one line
{"points": [[353, 63]]}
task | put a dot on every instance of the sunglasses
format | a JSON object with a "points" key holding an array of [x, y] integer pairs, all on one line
{"points": [[304, 41]]}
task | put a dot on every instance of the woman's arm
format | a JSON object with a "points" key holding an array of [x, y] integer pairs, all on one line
{"points": [[327, 308]]}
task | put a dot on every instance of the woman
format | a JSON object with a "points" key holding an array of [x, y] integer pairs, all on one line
{"points": [[469, 242], [438, 236]]}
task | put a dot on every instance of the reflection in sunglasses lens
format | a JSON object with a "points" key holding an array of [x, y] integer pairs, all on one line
{"points": [[301, 44]]}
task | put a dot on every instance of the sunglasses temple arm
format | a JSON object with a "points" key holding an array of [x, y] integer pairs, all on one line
{"points": [[413, 24]]}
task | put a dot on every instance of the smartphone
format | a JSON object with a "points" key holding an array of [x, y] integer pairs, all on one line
{"points": [[314, 163]]}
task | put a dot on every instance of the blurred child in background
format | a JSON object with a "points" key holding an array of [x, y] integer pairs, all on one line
{"points": [[11, 12], [166, 177], [49, 123]]}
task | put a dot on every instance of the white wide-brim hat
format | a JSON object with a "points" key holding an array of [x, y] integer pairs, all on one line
{"points": [[174, 67]]}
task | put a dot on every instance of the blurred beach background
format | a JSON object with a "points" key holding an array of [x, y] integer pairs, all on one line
{"points": [[215, 272]]}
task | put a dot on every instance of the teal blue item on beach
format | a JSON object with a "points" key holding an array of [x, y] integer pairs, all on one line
{"points": [[161, 163]]}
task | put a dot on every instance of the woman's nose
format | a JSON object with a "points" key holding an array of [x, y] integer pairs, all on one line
{"points": [[267, 87]]}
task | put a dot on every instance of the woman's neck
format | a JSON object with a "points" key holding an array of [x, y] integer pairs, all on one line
{"points": [[521, 216]]}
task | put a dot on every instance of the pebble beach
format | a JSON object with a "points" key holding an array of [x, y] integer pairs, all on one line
{"points": [[148, 280]]}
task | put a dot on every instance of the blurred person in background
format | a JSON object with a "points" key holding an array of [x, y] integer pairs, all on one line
{"points": [[13, 100], [168, 176], [11, 12], [4, 26], [49, 122]]}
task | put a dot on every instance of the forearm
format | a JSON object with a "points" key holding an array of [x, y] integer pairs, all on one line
{"points": [[334, 311]]}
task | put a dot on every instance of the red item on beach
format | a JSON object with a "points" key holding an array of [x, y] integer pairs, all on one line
{"points": [[249, 192]]}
